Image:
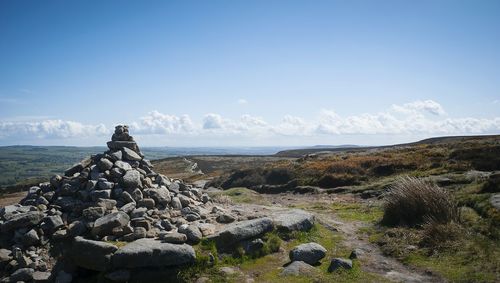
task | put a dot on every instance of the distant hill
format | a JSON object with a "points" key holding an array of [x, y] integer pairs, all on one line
{"points": [[437, 140]]}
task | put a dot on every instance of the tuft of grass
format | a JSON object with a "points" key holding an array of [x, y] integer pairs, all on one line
{"points": [[412, 201]]}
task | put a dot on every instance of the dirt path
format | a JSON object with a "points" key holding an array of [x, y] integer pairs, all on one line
{"points": [[13, 198], [372, 259]]}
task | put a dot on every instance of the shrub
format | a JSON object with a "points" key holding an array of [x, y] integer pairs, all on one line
{"points": [[412, 202], [337, 180], [439, 236]]}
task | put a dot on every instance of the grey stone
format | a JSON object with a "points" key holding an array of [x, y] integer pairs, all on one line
{"points": [[137, 195], [78, 167], [104, 164], [105, 185], [126, 197], [225, 218], [22, 274], [309, 253], [148, 203], [138, 212], [295, 220], [152, 253], [173, 238], [128, 208], [495, 201], [97, 194], [53, 222], [76, 228], [244, 230], [192, 216], [253, 246], [5, 255], [20, 220], [115, 145], [193, 233], [176, 203], [298, 268], [40, 276], [339, 263], [140, 232], [356, 253], [93, 255], [123, 165], [30, 238], [107, 204], [206, 229], [132, 179], [105, 225], [161, 195], [116, 155], [185, 201], [93, 213], [130, 155]]}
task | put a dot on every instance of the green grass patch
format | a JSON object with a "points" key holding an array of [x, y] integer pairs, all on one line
{"points": [[242, 195], [358, 212]]}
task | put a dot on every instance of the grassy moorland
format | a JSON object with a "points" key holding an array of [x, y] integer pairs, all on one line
{"points": [[464, 247]]}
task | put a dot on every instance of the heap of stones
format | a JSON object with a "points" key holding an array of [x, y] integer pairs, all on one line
{"points": [[74, 221]]}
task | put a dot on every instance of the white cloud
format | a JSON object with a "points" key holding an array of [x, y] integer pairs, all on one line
{"points": [[158, 123], [420, 106], [419, 118], [242, 101], [49, 129], [212, 121]]}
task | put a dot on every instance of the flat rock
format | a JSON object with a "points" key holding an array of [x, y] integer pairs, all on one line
{"points": [[106, 224], [244, 230], [173, 238], [294, 220], [130, 155], [309, 253], [23, 220], [93, 255], [152, 253], [297, 268]]}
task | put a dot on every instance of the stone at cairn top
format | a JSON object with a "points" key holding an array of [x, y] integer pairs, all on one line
{"points": [[121, 139]]}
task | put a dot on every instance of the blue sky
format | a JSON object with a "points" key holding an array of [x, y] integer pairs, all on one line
{"points": [[224, 73]]}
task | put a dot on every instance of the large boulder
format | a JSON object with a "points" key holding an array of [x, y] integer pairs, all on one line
{"points": [[93, 255], [244, 230], [294, 220], [152, 253], [309, 253], [105, 225]]}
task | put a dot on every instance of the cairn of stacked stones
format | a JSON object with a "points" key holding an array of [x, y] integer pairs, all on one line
{"points": [[114, 196], [75, 221]]}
